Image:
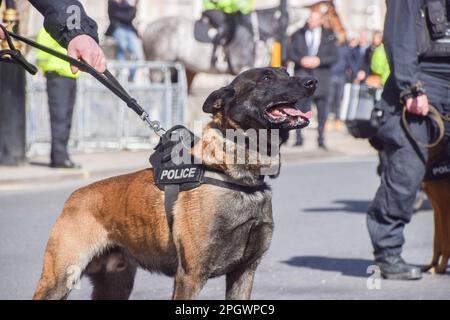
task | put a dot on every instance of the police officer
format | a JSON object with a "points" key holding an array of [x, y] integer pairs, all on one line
{"points": [[81, 40], [214, 9], [61, 93], [420, 63]]}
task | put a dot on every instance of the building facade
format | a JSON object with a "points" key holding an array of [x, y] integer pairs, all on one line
{"points": [[355, 15]]}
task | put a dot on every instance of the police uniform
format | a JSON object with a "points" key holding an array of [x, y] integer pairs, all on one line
{"points": [[57, 14], [61, 92], [221, 14], [420, 64]]}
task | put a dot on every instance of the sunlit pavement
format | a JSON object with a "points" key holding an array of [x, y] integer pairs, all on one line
{"points": [[320, 247]]}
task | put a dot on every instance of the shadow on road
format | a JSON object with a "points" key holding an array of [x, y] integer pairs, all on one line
{"points": [[353, 206], [349, 206], [346, 266]]}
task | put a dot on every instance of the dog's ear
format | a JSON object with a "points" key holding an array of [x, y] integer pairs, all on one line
{"points": [[218, 99]]}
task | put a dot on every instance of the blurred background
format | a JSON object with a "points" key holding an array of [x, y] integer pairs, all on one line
{"points": [[171, 101]]}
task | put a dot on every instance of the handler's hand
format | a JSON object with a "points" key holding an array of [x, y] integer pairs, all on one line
{"points": [[85, 48], [418, 105], [310, 62]]}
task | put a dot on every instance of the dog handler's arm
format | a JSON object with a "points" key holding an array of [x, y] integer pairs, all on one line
{"points": [[67, 22], [401, 48]]}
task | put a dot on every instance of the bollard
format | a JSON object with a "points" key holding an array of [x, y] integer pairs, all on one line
{"points": [[12, 102]]}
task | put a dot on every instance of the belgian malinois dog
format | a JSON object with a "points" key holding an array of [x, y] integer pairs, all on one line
{"points": [[110, 228], [438, 193]]}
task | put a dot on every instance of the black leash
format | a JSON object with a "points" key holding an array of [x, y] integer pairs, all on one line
{"points": [[107, 79], [434, 115]]}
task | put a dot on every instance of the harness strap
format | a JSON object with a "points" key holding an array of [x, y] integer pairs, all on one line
{"points": [[171, 191]]}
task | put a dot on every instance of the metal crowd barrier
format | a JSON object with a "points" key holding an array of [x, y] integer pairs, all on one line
{"points": [[103, 121]]}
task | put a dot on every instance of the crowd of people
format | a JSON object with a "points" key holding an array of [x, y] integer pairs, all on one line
{"points": [[335, 61]]}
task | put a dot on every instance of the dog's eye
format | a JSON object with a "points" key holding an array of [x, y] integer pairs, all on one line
{"points": [[267, 77]]}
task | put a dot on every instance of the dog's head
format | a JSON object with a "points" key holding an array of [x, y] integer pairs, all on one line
{"points": [[263, 98]]}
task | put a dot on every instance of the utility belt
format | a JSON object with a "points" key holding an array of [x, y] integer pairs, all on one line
{"points": [[433, 29]]}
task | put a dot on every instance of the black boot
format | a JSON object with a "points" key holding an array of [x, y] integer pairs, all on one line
{"points": [[66, 164], [299, 138], [395, 268]]}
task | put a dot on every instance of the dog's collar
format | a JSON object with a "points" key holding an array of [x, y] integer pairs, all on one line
{"points": [[221, 179]]}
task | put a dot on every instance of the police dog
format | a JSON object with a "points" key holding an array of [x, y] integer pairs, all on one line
{"points": [[438, 193], [110, 228]]}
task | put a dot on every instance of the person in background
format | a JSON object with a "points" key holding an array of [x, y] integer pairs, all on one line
{"points": [[61, 92], [229, 6], [365, 55], [380, 65], [121, 15], [313, 50], [340, 74], [353, 45], [214, 10], [81, 42]]}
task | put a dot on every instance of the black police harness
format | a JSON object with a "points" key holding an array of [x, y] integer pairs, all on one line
{"points": [[171, 176]]}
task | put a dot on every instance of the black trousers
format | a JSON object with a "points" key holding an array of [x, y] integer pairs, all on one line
{"points": [[404, 165], [335, 94], [322, 116], [61, 92]]}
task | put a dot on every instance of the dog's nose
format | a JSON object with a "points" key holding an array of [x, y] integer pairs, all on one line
{"points": [[310, 83]]}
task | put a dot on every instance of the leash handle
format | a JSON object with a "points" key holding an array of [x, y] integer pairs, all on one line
{"points": [[15, 56], [434, 115], [107, 79]]}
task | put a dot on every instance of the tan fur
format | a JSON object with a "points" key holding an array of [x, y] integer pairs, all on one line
{"points": [[111, 227], [128, 211], [439, 195]]}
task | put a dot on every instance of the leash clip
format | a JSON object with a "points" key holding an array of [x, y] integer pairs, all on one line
{"points": [[154, 125]]}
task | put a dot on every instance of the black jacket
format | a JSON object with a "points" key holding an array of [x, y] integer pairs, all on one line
{"points": [[401, 43], [120, 14], [58, 13], [327, 53]]}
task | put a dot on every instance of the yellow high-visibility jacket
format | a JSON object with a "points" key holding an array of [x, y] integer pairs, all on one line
{"points": [[380, 64], [229, 6], [49, 63]]}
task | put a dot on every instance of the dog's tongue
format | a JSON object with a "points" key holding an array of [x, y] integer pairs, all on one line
{"points": [[293, 112]]}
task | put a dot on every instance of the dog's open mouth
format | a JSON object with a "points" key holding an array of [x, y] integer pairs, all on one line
{"points": [[287, 114]]}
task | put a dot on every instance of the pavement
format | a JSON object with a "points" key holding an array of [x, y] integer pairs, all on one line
{"points": [[320, 248]]}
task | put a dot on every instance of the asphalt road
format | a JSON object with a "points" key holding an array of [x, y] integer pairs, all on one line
{"points": [[320, 248]]}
